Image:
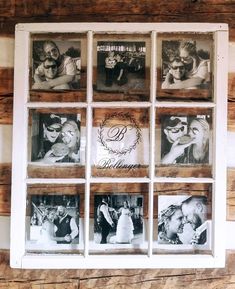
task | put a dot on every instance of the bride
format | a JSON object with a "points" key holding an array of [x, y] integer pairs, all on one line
{"points": [[47, 232], [125, 226]]}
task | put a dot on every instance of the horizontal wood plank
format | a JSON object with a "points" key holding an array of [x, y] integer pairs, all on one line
{"points": [[5, 182], [6, 110], [231, 194], [5, 200], [121, 278], [6, 80], [37, 171], [7, 8], [13, 12], [5, 174], [231, 116]]}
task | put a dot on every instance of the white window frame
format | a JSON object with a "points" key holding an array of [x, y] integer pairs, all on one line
{"points": [[18, 256]]}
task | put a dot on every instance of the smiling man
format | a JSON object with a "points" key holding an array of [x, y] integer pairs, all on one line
{"points": [[175, 74], [66, 69], [194, 210]]}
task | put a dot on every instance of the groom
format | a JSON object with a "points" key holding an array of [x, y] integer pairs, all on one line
{"points": [[67, 229], [194, 210], [104, 219]]}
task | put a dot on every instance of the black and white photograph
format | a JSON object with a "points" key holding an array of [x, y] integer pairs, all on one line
{"points": [[185, 139], [55, 138], [56, 65], [121, 66], [182, 220], [185, 64], [54, 219], [118, 219]]}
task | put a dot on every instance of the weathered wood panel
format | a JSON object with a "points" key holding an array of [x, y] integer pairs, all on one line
{"points": [[231, 195], [112, 8], [7, 8], [6, 80], [6, 110], [37, 171], [5, 174], [231, 116], [13, 12], [5, 200], [5, 182], [59, 96], [113, 279]]}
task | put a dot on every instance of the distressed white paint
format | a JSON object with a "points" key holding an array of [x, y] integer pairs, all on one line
{"points": [[7, 52], [5, 143], [18, 257]]}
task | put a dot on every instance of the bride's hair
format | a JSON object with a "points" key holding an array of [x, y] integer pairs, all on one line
{"points": [[166, 215]]}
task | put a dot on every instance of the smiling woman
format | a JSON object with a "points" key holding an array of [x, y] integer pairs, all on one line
{"points": [[52, 68], [185, 140], [170, 224], [186, 64], [71, 137], [56, 138]]}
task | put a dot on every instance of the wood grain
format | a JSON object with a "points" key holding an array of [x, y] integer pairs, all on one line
{"points": [[5, 174], [12, 12], [223, 278], [5, 200], [6, 80], [231, 116], [58, 96], [6, 112], [5, 183], [6, 109], [37, 171], [199, 171]]}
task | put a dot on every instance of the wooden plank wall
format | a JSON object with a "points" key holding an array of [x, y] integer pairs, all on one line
{"points": [[12, 12]]}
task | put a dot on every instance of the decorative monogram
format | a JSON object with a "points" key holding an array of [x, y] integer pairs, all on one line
{"points": [[109, 133]]}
